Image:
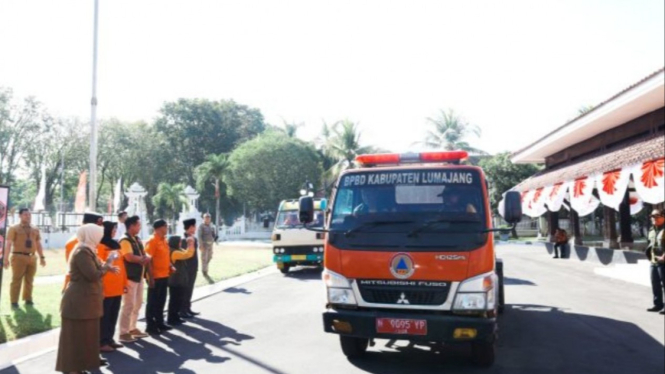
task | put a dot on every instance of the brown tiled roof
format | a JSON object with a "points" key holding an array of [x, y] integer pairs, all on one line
{"points": [[630, 154], [590, 111]]}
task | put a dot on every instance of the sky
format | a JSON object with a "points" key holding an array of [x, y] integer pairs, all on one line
{"points": [[516, 69]]}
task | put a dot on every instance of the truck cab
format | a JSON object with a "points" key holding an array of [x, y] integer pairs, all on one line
{"points": [[293, 242], [409, 254]]}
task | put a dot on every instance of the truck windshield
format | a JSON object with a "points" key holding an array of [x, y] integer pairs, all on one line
{"points": [[288, 219], [428, 209]]}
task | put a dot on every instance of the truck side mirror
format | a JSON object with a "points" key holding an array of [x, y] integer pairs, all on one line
{"points": [[512, 207], [306, 210]]}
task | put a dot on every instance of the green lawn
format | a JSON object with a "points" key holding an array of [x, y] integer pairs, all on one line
{"points": [[227, 262]]}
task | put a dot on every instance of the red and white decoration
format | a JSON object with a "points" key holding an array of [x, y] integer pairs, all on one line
{"points": [[648, 179]]}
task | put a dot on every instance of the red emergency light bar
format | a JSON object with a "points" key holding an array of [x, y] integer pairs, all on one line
{"points": [[396, 158]]}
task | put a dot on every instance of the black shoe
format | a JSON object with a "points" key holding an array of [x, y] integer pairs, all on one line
{"points": [[29, 303], [555, 257], [153, 331], [14, 305], [193, 313], [655, 309], [103, 362], [186, 315], [662, 312], [175, 322], [164, 327]]}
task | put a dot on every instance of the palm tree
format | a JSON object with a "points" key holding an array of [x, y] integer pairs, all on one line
{"points": [[292, 128], [213, 169], [170, 198], [341, 145], [450, 132]]}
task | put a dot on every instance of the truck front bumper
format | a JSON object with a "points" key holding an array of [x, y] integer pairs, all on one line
{"points": [[299, 259], [440, 328]]}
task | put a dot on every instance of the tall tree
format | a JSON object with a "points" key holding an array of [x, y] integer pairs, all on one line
{"points": [[342, 143], [214, 169], [270, 168], [503, 175], [170, 198], [450, 133], [195, 128], [291, 128], [20, 124]]}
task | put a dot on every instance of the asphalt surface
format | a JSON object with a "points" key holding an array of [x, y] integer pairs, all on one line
{"points": [[560, 318]]}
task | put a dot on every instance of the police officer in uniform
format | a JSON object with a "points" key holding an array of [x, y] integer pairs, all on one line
{"points": [[26, 242], [656, 254], [192, 269]]}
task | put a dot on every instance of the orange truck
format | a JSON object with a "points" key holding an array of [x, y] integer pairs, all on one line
{"points": [[409, 253]]}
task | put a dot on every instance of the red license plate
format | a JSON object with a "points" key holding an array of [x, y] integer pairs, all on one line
{"points": [[401, 326]]}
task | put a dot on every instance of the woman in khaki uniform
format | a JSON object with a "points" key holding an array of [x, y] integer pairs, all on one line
{"points": [[81, 307]]}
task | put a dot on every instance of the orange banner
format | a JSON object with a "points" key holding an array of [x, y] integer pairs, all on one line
{"points": [[81, 192]]}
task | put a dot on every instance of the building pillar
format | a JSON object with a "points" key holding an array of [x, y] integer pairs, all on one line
{"points": [[625, 220], [553, 223], [575, 224], [609, 228]]}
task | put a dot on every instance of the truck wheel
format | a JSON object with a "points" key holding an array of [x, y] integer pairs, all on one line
{"points": [[353, 347], [285, 269], [482, 353]]}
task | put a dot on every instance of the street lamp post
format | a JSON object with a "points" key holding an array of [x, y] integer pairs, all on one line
{"points": [[93, 119]]}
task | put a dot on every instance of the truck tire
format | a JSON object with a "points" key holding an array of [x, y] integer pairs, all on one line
{"points": [[483, 353], [353, 347], [285, 269]]}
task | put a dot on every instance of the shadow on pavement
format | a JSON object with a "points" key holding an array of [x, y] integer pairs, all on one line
{"points": [[154, 358], [237, 290], [305, 273], [508, 281], [534, 339]]}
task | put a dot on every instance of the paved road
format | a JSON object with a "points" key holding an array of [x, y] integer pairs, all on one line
{"points": [[560, 318]]}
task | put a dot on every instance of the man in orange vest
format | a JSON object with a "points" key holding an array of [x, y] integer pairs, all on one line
{"points": [[158, 248]]}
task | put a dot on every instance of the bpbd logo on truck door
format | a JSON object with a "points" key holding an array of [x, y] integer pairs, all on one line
{"points": [[401, 266]]}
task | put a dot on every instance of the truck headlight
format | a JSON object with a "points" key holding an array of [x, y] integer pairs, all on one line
{"points": [[341, 296], [470, 301], [338, 289], [477, 293], [334, 280]]}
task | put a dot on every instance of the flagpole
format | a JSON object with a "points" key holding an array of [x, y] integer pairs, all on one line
{"points": [[93, 119]]}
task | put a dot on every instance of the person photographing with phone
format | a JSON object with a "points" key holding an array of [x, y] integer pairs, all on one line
{"points": [[114, 287], [82, 304]]}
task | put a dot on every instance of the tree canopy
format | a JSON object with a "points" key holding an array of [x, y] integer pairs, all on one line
{"points": [[504, 175], [270, 168]]}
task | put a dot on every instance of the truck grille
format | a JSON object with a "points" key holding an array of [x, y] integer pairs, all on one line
{"points": [[399, 295]]}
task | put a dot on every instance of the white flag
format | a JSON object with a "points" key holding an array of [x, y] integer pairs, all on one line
{"points": [[41, 195], [116, 196]]}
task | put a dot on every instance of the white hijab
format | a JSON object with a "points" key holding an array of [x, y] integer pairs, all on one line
{"points": [[89, 235]]}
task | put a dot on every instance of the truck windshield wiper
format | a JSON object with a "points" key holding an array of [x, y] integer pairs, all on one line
{"points": [[371, 224], [427, 224]]}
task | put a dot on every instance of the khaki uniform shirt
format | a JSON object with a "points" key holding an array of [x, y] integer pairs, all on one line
{"points": [[656, 243], [22, 236], [206, 233]]}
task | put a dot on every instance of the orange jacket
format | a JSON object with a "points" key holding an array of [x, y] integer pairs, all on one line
{"points": [[114, 284]]}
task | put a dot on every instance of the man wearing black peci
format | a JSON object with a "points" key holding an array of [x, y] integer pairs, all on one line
{"points": [[192, 269]]}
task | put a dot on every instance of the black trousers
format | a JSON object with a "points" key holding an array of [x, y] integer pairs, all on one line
{"points": [[176, 299], [154, 310], [562, 247], [192, 272], [658, 284], [109, 320]]}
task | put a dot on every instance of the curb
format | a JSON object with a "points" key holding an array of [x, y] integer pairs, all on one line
{"points": [[17, 351]]}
